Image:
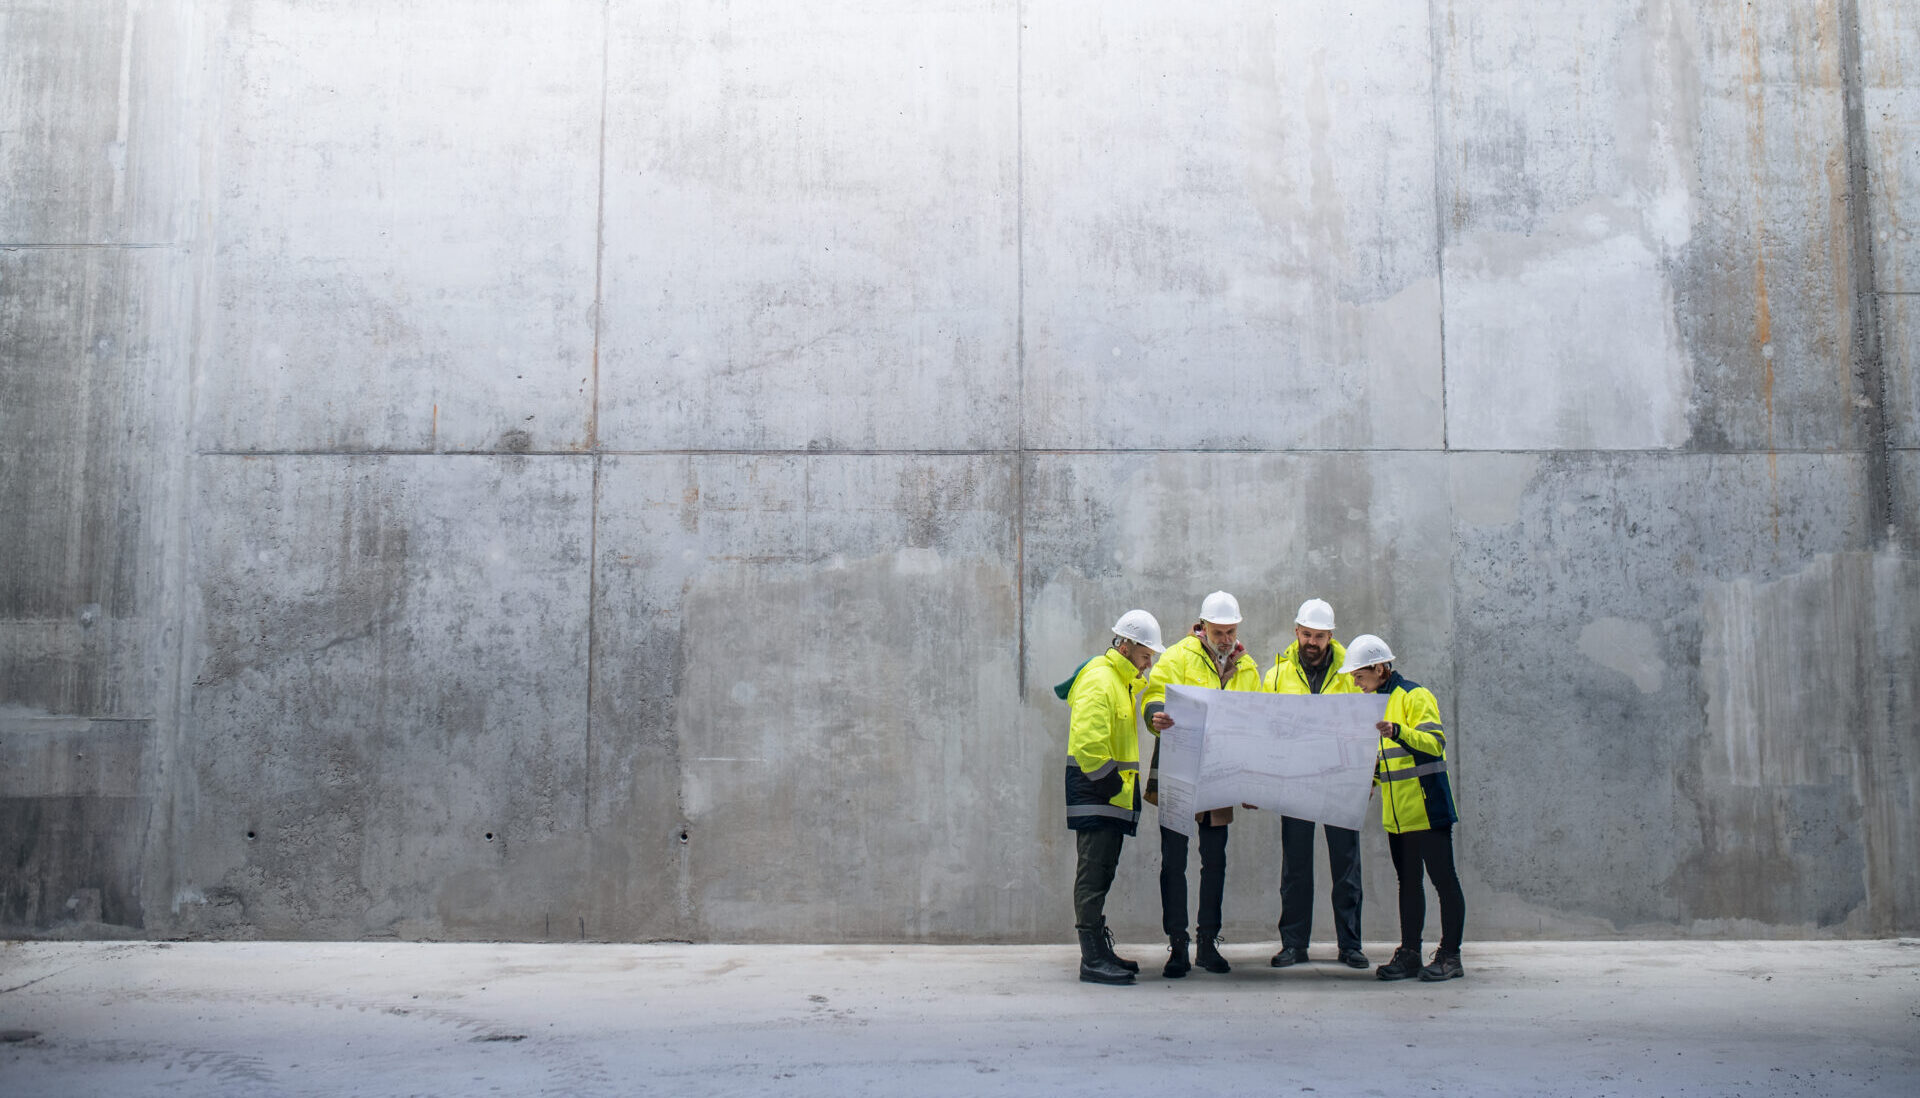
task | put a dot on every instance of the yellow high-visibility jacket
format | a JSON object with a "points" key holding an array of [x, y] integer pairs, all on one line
{"points": [[1103, 744], [1187, 664], [1412, 769], [1288, 677]]}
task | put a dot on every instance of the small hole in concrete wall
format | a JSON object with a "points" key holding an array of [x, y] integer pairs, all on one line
{"points": [[249, 836], [683, 834], [489, 836]]}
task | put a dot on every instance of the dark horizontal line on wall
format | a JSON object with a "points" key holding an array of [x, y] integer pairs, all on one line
{"points": [[1778, 452], [54, 718], [71, 247]]}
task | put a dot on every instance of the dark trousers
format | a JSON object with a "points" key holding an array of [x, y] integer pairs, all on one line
{"points": [[1296, 883], [1099, 849], [1173, 880], [1433, 851]]}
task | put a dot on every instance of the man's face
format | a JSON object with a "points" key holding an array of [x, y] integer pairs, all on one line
{"points": [[1369, 679], [1219, 637], [1137, 654], [1313, 644]]}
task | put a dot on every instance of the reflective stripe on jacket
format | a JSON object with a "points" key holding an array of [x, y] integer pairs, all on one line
{"points": [[1103, 744], [1412, 768], [1289, 677]]}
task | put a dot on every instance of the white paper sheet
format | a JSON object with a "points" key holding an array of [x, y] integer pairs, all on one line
{"points": [[1309, 756]]}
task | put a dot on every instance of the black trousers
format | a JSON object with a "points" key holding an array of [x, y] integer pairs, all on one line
{"points": [[1431, 850], [1173, 880], [1296, 883], [1099, 849]]}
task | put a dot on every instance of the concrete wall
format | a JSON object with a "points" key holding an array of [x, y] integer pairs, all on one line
{"points": [[570, 468]]}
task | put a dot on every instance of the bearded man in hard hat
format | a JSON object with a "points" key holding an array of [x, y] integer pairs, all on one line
{"points": [[1210, 656], [1417, 808], [1311, 665], [1103, 771]]}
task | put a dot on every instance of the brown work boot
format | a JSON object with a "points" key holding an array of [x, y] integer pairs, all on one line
{"points": [[1445, 966]]}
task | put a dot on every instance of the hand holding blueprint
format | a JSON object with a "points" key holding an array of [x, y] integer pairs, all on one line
{"points": [[1309, 756]]}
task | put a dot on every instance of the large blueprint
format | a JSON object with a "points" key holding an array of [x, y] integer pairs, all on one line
{"points": [[1304, 755]]}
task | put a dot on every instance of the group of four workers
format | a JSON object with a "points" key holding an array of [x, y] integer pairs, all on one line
{"points": [[1125, 687]]}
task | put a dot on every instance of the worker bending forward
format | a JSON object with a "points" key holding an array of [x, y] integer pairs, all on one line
{"points": [[1103, 771], [1416, 805], [1211, 656]]}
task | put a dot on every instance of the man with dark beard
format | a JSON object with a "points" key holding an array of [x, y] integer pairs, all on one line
{"points": [[1311, 665], [1211, 656]]}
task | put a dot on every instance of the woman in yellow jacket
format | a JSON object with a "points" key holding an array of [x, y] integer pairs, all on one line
{"points": [[1416, 805]]}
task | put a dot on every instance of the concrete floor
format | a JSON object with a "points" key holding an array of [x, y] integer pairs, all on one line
{"points": [[1587, 1018]]}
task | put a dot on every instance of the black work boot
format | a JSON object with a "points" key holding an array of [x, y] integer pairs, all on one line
{"points": [[1404, 966], [1177, 964], [1106, 947], [1094, 966], [1207, 954], [1445, 966], [1288, 957]]}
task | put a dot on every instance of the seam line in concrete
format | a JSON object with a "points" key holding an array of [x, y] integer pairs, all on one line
{"points": [[1434, 54], [600, 228], [164, 822], [1865, 345], [71, 718], [1020, 342], [133, 245], [593, 423], [1024, 452], [593, 601]]}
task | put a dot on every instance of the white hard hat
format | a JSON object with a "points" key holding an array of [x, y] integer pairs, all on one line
{"points": [[1220, 608], [1141, 627], [1365, 651], [1315, 614]]}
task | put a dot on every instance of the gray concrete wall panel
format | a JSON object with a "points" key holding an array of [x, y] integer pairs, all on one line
{"points": [[811, 226], [92, 413], [1900, 366], [386, 725], [73, 803], [1229, 228], [93, 92], [1694, 680], [1890, 54], [1607, 169], [404, 227], [822, 650], [91, 396]]}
